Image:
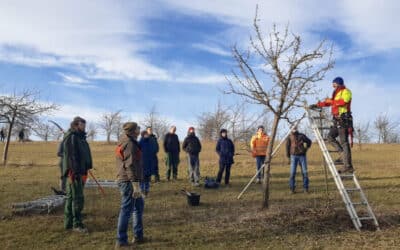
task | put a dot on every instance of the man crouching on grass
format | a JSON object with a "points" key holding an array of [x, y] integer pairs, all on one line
{"points": [[129, 174], [77, 160]]}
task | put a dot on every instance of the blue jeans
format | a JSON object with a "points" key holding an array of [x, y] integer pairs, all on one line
{"points": [[145, 184], [294, 161], [129, 207], [259, 162]]}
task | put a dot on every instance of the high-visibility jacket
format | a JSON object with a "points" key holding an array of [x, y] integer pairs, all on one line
{"points": [[340, 101], [259, 144]]}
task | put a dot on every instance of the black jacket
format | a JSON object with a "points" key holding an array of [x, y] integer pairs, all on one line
{"points": [[191, 144], [226, 150], [171, 143], [295, 144]]}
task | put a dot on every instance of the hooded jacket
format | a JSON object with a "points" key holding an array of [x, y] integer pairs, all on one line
{"points": [[191, 144], [149, 150], [128, 160], [77, 158], [226, 150]]}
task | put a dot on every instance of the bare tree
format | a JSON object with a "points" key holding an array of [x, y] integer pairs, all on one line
{"points": [[91, 131], [386, 128], [293, 73], [211, 122], [362, 133], [45, 130], [110, 123], [21, 109], [159, 124]]}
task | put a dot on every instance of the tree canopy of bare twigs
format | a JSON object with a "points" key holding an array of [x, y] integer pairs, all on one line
{"points": [[111, 124], [159, 124], [362, 133], [386, 129], [21, 109], [278, 73]]}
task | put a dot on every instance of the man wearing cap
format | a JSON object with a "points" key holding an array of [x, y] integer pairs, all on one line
{"points": [[192, 146], [258, 144], [77, 161], [129, 176], [340, 104], [297, 146], [172, 149]]}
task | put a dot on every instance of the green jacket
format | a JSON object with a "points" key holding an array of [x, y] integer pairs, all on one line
{"points": [[77, 156]]}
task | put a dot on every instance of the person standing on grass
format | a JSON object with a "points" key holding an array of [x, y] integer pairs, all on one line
{"points": [[340, 104], [258, 144], [77, 161], [172, 150], [154, 166], [148, 149], [21, 135], [297, 146], [192, 146], [2, 135], [226, 150], [129, 176]]}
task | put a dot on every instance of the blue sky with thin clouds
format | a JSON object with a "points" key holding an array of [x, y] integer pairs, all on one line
{"points": [[96, 56]]}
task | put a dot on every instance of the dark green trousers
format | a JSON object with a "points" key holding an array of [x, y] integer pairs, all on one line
{"points": [[74, 203]]}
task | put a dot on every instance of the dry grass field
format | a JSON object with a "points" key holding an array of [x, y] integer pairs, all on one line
{"points": [[301, 221]]}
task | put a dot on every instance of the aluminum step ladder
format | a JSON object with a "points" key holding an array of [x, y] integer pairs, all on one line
{"points": [[353, 196]]}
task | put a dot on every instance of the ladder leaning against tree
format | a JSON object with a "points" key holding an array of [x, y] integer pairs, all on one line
{"points": [[359, 210]]}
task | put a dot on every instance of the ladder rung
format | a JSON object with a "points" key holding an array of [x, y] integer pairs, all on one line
{"points": [[359, 204], [366, 218], [350, 176], [333, 151], [324, 128], [352, 189]]}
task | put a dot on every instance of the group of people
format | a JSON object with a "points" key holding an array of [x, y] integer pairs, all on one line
{"points": [[21, 135], [136, 161]]}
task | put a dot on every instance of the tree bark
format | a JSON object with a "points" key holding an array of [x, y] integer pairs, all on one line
{"points": [[267, 169], [5, 152]]}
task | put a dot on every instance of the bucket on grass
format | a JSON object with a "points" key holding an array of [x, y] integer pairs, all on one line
{"points": [[193, 199]]}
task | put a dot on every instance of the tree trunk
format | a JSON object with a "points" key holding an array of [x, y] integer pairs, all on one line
{"points": [[108, 137], [5, 152], [268, 160]]}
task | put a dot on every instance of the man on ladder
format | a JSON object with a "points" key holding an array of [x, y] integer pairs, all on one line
{"points": [[340, 104]]}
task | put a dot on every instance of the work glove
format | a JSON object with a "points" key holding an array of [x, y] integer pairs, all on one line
{"points": [[137, 191]]}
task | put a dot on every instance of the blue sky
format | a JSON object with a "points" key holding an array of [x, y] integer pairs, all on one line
{"points": [[97, 56]]}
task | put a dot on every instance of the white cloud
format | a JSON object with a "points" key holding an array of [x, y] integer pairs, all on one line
{"points": [[369, 23], [213, 49], [101, 35]]}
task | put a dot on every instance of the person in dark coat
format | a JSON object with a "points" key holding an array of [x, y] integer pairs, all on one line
{"points": [[21, 135], [148, 150], [172, 150], [226, 150], [2, 134], [192, 146], [297, 146], [154, 167]]}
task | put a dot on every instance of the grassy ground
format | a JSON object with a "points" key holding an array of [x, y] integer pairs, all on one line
{"points": [[310, 221]]}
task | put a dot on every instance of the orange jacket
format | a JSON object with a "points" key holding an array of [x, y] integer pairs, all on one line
{"points": [[259, 144]]}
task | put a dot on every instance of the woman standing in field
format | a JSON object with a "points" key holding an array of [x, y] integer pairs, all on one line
{"points": [[149, 149], [226, 150]]}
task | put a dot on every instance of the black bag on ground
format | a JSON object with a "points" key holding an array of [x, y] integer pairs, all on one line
{"points": [[210, 183]]}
